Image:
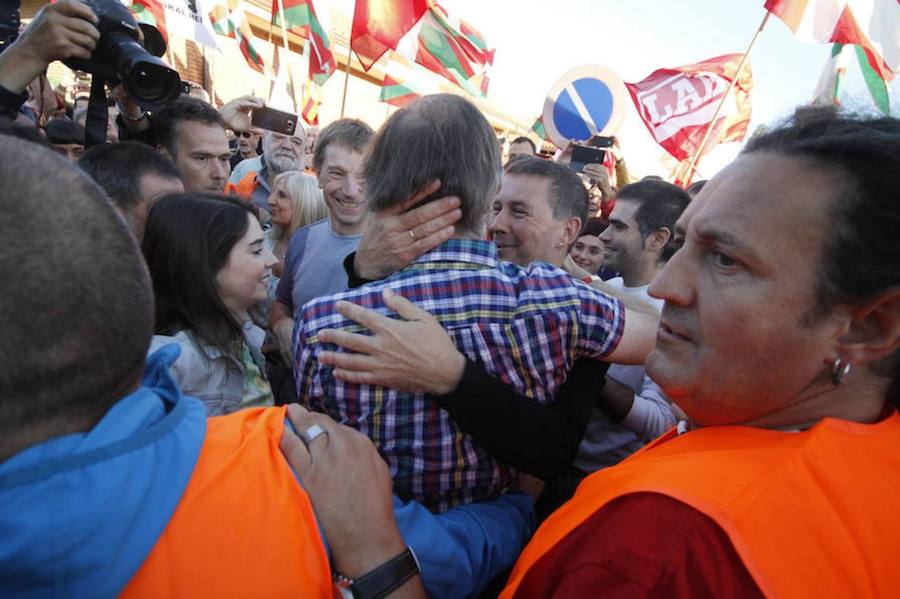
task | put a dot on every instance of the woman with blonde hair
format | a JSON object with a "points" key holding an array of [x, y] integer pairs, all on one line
{"points": [[295, 201]]}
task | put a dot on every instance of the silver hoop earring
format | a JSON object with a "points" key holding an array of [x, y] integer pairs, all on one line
{"points": [[839, 370]]}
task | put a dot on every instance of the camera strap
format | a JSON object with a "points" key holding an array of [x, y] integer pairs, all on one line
{"points": [[97, 114]]}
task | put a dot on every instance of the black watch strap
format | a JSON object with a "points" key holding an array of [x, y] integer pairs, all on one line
{"points": [[11, 102], [353, 280], [386, 578]]}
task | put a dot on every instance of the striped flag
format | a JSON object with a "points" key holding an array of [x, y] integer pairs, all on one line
{"points": [[438, 44], [875, 83], [398, 93], [231, 21], [403, 83], [482, 55], [475, 44], [300, 18], [872, 24], [538, 127], [443, 49], [828, 90], [151, 12]]}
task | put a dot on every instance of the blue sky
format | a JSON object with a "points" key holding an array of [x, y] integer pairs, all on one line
{"points": [[538, 41]]}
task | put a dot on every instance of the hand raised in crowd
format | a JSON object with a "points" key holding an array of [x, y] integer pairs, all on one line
{"points": [[350, 488], [412, 354], [565, 157], [236, 113], [132, 113], [598, 173], [399, 236], [59, 31]]}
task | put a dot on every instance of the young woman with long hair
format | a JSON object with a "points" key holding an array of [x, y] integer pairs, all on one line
{"points": [[209, 264]]}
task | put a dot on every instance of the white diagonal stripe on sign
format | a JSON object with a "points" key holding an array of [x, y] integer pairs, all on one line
{"points": [[582, 109]]}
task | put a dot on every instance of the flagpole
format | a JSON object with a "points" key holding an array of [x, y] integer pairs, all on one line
{"points": [[287, 58], [347, 74], [346, 81], [734, 80]]}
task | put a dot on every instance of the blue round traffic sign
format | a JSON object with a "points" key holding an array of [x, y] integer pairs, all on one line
{"points": [[586, 101]]}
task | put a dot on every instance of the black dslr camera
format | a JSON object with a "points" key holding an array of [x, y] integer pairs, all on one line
{"points": [[120, 57]]}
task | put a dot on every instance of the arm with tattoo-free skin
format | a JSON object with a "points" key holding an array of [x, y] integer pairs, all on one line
{"points": [[355, 508], [459, 551], [414, 353], [61, 30]]}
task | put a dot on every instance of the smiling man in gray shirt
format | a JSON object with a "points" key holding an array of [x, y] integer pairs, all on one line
{"points": [[313, 264]]}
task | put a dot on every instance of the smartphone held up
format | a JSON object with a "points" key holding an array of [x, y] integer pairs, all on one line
{"points": [[271, 119]]}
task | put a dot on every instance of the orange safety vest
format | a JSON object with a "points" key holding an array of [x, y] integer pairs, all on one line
{"points": [[813, 513], [244, 188], [244, 527]]}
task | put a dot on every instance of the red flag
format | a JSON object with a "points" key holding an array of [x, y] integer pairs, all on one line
{"points": [[677, 104], [378, 26]]}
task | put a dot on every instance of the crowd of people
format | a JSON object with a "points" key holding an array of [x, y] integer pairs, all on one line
{"points": [[408, 362]]}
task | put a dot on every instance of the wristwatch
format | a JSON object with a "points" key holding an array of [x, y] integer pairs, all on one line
{"points": [[382, 581]]}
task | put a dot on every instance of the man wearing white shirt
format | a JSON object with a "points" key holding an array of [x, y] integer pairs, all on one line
{"points": [[640, 238]]}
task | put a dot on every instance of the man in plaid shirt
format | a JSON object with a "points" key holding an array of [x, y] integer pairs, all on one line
{"points": [[525, 325]]}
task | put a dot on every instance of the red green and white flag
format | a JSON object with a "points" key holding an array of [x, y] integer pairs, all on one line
{"points": [[476, 47], [877, 86], [379, 25], [437, 43], [182, 18], [403, 83], [299, 16], [475, 44], [398, 93], [831, 82], [151, 12], [872, 24], [229, 20], [538, 128], [440, 50]]}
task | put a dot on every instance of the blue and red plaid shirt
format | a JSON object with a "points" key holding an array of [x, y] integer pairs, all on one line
{"points": [[524, 325]]}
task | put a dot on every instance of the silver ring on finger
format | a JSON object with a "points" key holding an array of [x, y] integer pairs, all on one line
{"points": [[412, 234], [309, 434]]}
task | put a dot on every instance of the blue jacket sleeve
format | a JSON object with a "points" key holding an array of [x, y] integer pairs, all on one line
{"points": [[461, 550]]}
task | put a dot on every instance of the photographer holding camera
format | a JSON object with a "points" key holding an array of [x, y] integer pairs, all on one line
{"points": [[60, 31]]}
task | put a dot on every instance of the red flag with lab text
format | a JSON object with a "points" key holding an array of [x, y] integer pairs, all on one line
{"points": [[677, 104]]}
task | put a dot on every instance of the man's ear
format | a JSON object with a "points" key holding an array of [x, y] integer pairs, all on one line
{"points": [[657, 239], [571, 229], [874, 329], [165, 152]]}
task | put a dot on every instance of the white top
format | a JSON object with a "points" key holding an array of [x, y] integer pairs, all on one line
{"points": [[606, 443]]}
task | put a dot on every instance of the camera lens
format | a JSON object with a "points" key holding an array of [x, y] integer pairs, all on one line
{"points": [[152, 82]]}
